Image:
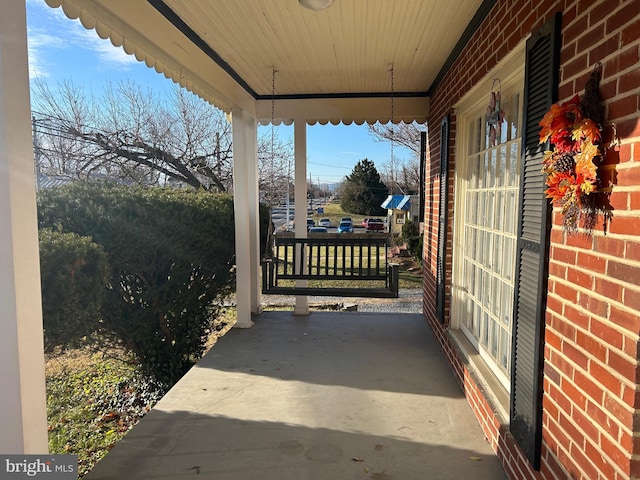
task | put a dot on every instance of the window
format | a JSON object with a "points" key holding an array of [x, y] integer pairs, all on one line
{"points": [[486, 213]]}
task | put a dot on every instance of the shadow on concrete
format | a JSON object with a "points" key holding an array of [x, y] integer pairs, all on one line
{"points": [[370, 351], [177, 445], [326, 396]]}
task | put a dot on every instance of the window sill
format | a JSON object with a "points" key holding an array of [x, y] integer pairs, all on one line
{"points": [[493, 390]]}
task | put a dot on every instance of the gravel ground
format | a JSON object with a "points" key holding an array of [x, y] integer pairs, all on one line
{"points": [[409, 301]]}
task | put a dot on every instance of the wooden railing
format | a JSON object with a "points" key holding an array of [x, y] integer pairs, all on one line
{"points": [[348, 265]]}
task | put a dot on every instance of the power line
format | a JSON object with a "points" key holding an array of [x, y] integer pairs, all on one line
{"points": [[327, 165]]}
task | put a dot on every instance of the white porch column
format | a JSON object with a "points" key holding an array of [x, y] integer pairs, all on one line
{"points": [[23, 413], [300, 192], [247, 224]]}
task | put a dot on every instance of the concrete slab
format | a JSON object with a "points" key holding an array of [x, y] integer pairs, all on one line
{"points": [[326, 396]]}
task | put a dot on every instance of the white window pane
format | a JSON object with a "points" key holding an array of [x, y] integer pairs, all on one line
{"points": [[477, 319], [507, 304], [477, 135], [497, 254], [491, 214], [508, 258], [493, 339], [491, 168], [469, 241], [499, 210], [487, 250], [494, 301], [467, 315], [501, 172], [482, 211], [504, 125], [479, 245], [478, 283], [510, 219], [484, 329], [502, 165], [514, 117], [486, 287], [505, 348], [473, 171], [469, 278], [514, 155]]}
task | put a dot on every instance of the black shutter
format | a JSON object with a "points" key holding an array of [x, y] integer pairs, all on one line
{"points": [[540, 91], [423, 162], [442, 219]]}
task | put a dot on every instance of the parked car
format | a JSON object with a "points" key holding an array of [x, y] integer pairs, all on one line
{"points": [[318, 230], [346, 219], [324, 222], [310, 223], [374, 225], [345, 227]]}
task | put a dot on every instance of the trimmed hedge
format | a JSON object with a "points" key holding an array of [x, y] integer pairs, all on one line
{"points": [[171, 261], [73, 273]]}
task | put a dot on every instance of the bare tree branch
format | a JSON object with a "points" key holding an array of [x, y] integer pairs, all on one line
{"points": [[400, 176], [133, 135], [405, 134]]}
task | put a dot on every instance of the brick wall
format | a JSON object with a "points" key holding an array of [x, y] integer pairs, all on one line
{"points": [[593, 311]]}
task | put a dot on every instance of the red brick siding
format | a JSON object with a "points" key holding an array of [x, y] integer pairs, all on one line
{"points": [[591, 397]]}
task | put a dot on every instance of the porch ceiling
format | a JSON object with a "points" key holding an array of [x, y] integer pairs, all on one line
{"points": [[332, 66]]}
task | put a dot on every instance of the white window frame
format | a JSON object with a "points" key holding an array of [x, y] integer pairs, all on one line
{"points": [[511, 75]]}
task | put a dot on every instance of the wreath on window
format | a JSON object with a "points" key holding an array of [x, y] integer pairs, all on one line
{"points": [[495, 114], [575, 129]]}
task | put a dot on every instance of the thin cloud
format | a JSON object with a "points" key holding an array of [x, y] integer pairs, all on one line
{"points": [[109, 56], [49, 29], [41, 39], [37, 43]]}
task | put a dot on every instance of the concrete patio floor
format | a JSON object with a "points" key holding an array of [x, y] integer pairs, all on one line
{"points": [[334, 395]]}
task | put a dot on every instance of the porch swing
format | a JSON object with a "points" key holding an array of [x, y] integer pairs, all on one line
{"points": [[356, 265]]}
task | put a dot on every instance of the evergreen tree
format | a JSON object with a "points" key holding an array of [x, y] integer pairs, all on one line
{"points": [[363, 192]]}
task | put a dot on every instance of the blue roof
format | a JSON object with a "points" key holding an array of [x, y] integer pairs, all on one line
{"points": [[396, 202]]}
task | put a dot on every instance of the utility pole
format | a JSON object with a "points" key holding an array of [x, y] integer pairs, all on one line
{"points": [[36, 151]]}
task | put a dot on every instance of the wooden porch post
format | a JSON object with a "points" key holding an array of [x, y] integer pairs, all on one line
{"points": [[300, 189], [245, 199], [23, 413]]}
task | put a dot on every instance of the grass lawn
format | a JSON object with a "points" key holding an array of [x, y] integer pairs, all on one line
{"points": [[93, 399], [334, 212]]}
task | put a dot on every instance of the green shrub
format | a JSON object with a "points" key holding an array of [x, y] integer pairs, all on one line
{"points": [[413, 240], [415, 247], [73, 275], [171, 257], [409, 230]]}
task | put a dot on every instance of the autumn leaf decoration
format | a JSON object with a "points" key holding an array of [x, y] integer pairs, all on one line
{"points": [[571, 167]]}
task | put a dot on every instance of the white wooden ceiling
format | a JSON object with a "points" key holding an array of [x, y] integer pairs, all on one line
{"points": [[332, 65]]}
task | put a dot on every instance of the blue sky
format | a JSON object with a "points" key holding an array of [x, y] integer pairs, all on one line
{"points": [[62, 49]]}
